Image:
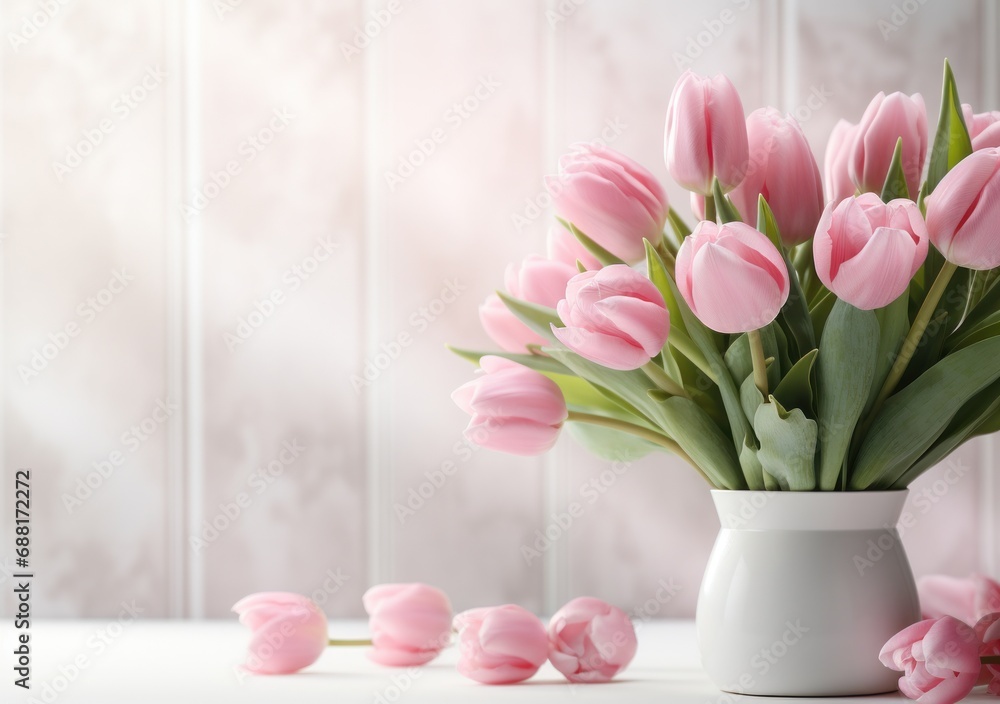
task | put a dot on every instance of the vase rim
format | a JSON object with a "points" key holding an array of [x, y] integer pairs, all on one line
{"points": [[809, 510]]}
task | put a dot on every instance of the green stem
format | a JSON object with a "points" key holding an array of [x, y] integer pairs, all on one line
{"points": [[659, 377], [759, 364], [639, 432], [710, 207], [912, 340], [348, 642]]}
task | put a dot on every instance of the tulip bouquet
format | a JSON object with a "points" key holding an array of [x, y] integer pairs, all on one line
{"points": [[800, 336]]}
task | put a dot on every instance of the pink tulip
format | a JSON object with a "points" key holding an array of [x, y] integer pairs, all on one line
{"points": [[698, 206], [614, 316], [731, 276], [501, 644], [984, 128], [289, 632], [886, 120], [514, 409], [611, 199], [783, 169], [838, 154], [866, 251], [563, 247], [963, 211], [705, 135], [939, 660], [967, 599], [591, 641], [988, 631], [410, 623], [536, 280]]}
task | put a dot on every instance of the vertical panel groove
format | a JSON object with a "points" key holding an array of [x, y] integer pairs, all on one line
{"points": [[173, 184], [193, 396], [377, 406]]}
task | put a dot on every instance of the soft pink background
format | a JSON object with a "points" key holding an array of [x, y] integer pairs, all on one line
{"points": [[561, 72]]}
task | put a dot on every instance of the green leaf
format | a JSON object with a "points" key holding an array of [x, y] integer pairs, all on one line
{"points": [[912, 419], [795, 311], [787, 446], [681, 229], [610, 444], [962, 427], [820, 311], [602, 255], [951, 141], [701, 438], [752, 469], [725, 210], [893, 324], [844, 373], [796, 390], [538, 362], [895, 179], [984, 332], [750, 398], [538, 318]]}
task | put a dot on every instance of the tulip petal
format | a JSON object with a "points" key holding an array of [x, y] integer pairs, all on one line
{"points": [[759, 298], [607, 350], [644, 323]]}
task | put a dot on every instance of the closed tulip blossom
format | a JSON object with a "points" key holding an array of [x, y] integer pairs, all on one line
{"points": [[732, 277], [838, 183], [964, 209], [782, 168], [886, 119], [866, 251], [562, 246], [514, 409], [614, 316], [501, 644], [988, 631], [984, 128], [939, 660], [966, 598], [591, 641], [536, 280], [612, 199], [705, 134], [410, 623], [289, 632]]}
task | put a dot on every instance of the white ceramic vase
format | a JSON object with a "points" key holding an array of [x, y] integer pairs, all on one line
{"points": [[802, 590]]}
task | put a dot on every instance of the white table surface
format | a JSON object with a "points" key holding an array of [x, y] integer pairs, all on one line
{"points": [[189, 662]]}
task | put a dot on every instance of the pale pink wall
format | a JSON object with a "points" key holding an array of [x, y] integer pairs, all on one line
{"points": [[548, 80]]}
